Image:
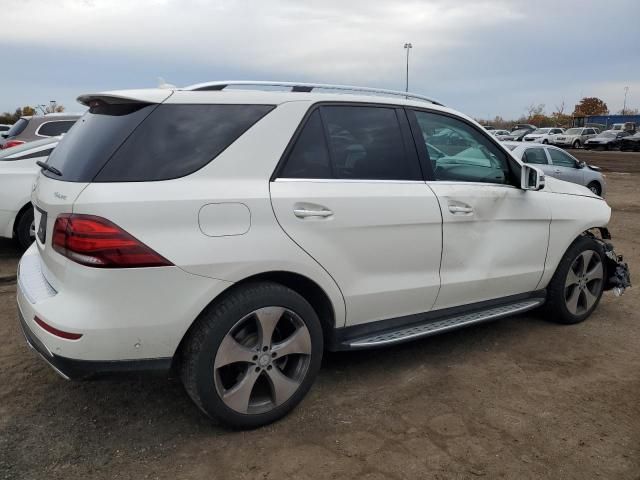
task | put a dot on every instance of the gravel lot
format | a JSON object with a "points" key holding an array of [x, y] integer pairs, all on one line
{"points": [[519, 398]]}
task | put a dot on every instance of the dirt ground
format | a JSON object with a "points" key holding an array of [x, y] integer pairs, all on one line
{"points": [[517, 399]]}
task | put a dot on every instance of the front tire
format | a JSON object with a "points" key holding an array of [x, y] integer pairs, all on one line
{"points": [[576, 288], [25, 229], [252, 356], [595, 188], [577, 144]]}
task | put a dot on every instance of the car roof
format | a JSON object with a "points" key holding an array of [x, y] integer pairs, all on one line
{"points": [[246, 95]]}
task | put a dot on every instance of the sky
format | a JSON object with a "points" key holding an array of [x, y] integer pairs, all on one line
{"points": [[482, 57]]}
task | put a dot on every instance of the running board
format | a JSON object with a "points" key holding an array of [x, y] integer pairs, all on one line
{"points": [[405, 333]]}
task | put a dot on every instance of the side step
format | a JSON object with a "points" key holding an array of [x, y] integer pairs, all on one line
{"points": [[404, 333]]}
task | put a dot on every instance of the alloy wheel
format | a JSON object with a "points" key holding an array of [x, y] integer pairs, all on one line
{"points": [[262, 360], [584, 282]]}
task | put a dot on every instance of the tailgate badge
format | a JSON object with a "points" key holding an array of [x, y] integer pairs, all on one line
{"points": [[59, 195]]}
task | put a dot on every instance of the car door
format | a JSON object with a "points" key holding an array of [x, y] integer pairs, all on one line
{"points": [[495, 234], [350, 192], [565, 167]]}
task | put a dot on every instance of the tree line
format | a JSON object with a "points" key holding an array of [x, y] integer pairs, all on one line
{"points": [[12, 117], [536, 115]]}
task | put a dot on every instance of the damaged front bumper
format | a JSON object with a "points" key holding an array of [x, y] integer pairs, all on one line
{"points": [[618, 276]]}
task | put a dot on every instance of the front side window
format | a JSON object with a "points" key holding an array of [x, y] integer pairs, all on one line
{"points": [[465, 154], [562, 159], [535, 155], [351, 142], [55, 128]]}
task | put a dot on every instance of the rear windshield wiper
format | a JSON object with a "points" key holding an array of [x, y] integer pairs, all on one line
{"points": [[49, 168]]}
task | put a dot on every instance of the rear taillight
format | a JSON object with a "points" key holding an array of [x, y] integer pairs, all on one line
{"points": [[97, 242], [11, 143]]}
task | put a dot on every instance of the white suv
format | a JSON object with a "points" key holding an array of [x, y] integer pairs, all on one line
{"points": [[235, 234]]}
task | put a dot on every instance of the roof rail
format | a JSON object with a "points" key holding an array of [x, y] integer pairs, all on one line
{"points": [[307, 87]]}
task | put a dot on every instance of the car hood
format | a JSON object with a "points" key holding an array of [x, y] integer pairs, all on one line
{"points": [[554, 185], [601, 139]]}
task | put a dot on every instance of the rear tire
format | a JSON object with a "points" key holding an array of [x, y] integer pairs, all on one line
{"points": [[577, 285], [25, 229], [253, 355]]}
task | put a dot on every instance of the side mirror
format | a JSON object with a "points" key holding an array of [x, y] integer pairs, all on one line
{"points": [[580, 164], [532, 178]]}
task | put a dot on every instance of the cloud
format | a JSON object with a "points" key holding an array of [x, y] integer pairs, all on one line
{"points": [[485, 57]]}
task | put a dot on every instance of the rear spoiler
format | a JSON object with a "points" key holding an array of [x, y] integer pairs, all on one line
{"points": [[126, 96]]}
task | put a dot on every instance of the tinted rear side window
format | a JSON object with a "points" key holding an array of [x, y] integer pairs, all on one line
{"points": [[85, 149], [139, 142], [53, 129], [176, 140]]}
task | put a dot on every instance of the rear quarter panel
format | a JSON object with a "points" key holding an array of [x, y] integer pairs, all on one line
{"points": [[165, 214], [16, 181]]}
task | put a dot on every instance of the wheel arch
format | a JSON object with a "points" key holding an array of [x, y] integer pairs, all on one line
{"points": [[301, 284], [16, 219], [551, 268]]}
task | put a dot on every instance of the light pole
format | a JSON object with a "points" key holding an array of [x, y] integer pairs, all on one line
{"points": [[624, 105], [407, 47]]}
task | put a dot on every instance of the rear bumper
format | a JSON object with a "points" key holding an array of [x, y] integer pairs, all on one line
{"points": [[72, 369], [128, 319]]}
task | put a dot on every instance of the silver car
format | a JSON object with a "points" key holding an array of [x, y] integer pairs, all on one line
{"points": [[557, 163]]}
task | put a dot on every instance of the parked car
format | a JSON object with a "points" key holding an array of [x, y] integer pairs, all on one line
{"points": [[630, 143], [523, 126], [555, 162], [4, 127], [270, 226], [501, 134], [542, 135], [629, 127], [27, 129], [574, 137], [607, 140], [18, 171], [518, 135]]}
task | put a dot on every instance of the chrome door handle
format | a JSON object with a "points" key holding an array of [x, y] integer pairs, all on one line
{"points": [[460, 209], [304, 213]]}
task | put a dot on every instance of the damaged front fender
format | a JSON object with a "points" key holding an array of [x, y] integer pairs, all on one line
{"points": [[618, 276]]}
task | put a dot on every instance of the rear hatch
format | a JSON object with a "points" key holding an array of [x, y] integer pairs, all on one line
{"points": [[79, 156]]}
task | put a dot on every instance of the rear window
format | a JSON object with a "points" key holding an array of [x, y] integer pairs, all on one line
{"points": [[17, 128], [140, 142], [55, 128]]}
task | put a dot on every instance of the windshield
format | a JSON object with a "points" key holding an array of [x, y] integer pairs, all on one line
{"points": [[574, 131], [519, 132], [542, 131], [608, 134], [17, 128]]}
